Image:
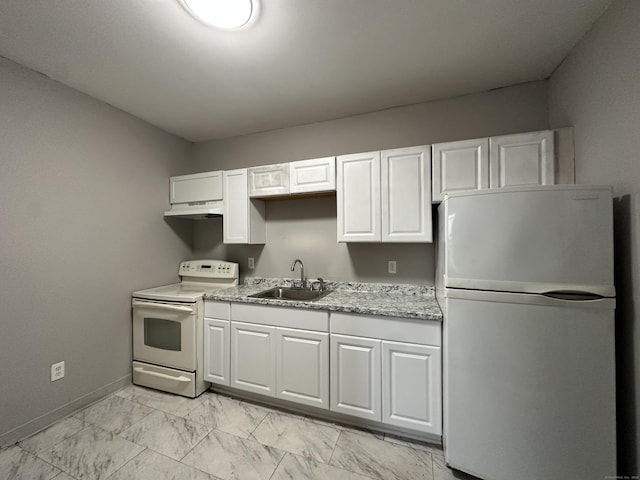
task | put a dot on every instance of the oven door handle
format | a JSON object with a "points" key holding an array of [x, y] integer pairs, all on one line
{"points": [[181, 379], [164, 306]]}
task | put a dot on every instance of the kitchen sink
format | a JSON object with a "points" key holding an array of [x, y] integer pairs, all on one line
{"points": [[284, 293]]}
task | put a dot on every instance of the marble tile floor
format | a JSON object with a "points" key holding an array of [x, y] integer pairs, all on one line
{"points": [[143, 434]]}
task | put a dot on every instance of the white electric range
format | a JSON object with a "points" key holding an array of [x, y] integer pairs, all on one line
{"points": [[168, 338]]}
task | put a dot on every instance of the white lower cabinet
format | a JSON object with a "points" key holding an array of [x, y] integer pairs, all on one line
{"points": [[302, 360], [216, 342], [382, 369], [411, 386], [387, 369], [355, 376], [270, 356], [216, 348], [253, 358]]}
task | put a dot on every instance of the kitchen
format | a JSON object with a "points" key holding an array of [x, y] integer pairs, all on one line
{"points": [[84, 186]]}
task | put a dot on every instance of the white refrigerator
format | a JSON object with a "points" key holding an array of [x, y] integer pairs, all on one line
{"points": [[525, 281]]}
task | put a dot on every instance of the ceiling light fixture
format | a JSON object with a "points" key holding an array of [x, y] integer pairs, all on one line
{"points": [[225, 14]]}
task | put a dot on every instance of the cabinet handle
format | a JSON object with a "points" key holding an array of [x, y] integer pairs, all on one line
{"points": [[181, 379], [163, 306]]}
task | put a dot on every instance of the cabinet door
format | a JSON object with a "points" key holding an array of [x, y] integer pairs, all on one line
{"points": [[406, 195], [358, 197], [316, 175], [269, 180], [243, 219], [522, 159], [253, 358], [302, 360], [411, 386], [355, 376], [198, 187], [216, 350], [459, 166]]}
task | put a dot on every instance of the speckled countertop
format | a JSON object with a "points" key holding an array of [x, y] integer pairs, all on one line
{"points": [[407, 301]]}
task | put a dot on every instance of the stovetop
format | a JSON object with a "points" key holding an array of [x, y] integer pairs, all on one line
{"points": [[199, 277]]}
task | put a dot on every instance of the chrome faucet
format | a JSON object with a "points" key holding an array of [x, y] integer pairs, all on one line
{"points": [[293, 267]]}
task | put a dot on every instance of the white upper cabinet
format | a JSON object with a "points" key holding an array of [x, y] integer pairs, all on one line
{"points": [[198, 187], [315, 175], [358, 197], [462, 165], [269, 180], [243, 220], [385, 196], [406, 195], [522, 159]]}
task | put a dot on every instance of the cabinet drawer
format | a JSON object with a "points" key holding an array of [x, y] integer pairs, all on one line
{"points": [[215, 309], [388, 328], [317, 320]]}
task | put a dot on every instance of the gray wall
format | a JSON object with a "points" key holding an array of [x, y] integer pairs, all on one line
{"points": [[306, 228], [82, 190], [597, 90]]}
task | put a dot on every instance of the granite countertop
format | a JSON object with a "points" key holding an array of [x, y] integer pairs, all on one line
{"points": [[407, 301]]}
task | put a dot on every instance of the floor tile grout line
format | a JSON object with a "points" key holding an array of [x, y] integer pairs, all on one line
{"points": [[84, 424], [278, 466], [335, 446], [41, 459], [126, 463], [194, 446], [183, 409]]}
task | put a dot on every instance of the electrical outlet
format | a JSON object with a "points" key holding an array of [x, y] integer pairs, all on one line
{"points": [[57, 371], [251, 263], [391, 266]]}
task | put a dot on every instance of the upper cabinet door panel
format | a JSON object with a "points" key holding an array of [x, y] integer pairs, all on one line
{"points": [[522, 159], [199, 187], [462, 165], [269, 180], [316, 175], [406, 195], [243, 219], [358, 197], [235, 221]]}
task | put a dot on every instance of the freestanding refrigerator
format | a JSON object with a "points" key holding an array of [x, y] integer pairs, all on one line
{"points": [[525, 281]]}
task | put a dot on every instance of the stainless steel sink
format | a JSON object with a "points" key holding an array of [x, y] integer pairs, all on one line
{"points": [[299, 294]]}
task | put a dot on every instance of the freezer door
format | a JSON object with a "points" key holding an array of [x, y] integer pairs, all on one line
{"points": [[530, 240], [529, 387]]}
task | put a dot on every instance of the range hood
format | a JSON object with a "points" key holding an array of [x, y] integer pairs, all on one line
{"points": [[196, 210]]}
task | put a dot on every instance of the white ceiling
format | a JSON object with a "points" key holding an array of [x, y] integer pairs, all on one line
{"points": [[303, 61]]}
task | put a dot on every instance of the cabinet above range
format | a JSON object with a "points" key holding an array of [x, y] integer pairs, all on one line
{"points": [[196, 196]]}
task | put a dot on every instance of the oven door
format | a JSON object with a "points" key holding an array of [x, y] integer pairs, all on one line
{"points": [[165, 334]]}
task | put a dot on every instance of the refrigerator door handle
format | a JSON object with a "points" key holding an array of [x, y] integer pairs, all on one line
{"points": [[572, 296]]}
